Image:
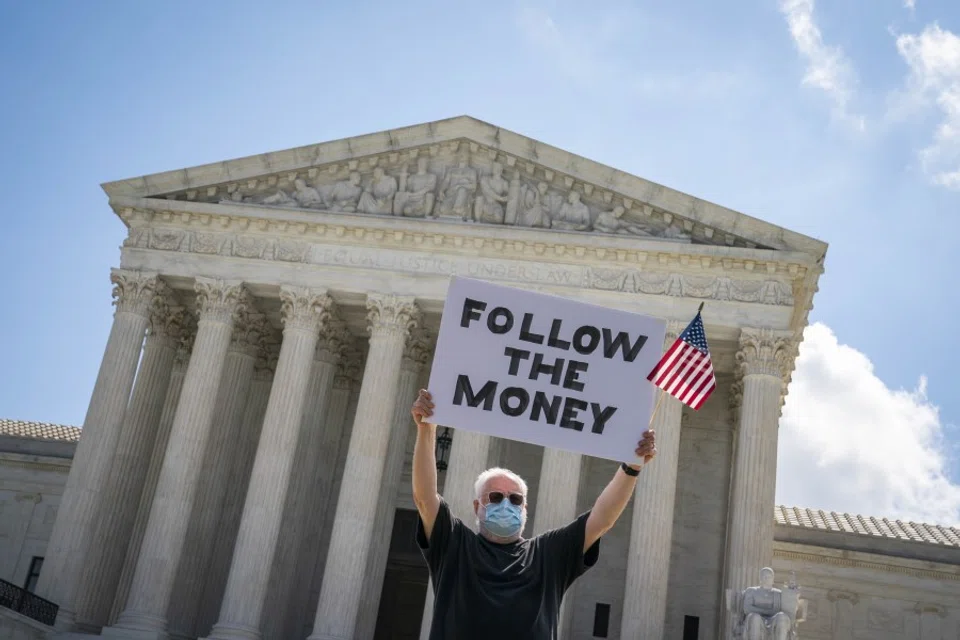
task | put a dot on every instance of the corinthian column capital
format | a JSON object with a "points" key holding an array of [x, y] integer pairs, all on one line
{"points": [[417, 351], [391, 315], [250, 331], [219, 300], [304, 309], [674, 329], [765, 352], [134, 291]]}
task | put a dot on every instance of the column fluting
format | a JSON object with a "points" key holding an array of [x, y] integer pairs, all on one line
{"points": [[415, 358], [250, 330], [303, 312], [163, 540], [763, 363], [390, 320], [73, 529], [122, 493], [651, 527], [145, 502]]}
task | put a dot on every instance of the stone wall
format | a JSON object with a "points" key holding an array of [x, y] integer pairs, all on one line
{"points": [[862, 594], [14, 626], [32, 477]]}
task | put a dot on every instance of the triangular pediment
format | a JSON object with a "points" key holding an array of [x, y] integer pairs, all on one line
{"points": [[468, 170]]}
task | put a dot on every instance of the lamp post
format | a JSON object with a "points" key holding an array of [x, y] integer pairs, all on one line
{"points": [[444, 440]]}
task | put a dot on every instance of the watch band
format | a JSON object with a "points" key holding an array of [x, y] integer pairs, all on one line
{"points": [[628, 470]]}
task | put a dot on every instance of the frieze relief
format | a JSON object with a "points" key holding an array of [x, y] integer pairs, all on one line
{"points": [[768, 291], [464, 182]]}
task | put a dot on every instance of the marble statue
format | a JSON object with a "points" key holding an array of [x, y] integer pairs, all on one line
{"points": [[457, 190], [494, 194], [534, 207], [345, 195], [612, 222], [765, 612], [415, 197], [305, 195], [573, 215], [378, 197]]}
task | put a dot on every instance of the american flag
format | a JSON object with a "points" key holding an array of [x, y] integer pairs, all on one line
{"points": [[686, 371]]}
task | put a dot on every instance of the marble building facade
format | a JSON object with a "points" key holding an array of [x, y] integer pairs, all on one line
{"points": [[244, 466]]}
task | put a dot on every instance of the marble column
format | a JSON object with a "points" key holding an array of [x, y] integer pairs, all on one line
{"points": [[250, 430], [144, 615], [145, 502], [402, 428], [90, 470], [390, 321], [763, 362], [250, 330], [339, 420], [468, 459], [557, 506], [308, 468], [651, 527], [98, 583], [303, 312]]}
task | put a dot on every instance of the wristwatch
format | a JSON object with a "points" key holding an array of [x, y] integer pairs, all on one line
{"points": [[630, 471]]}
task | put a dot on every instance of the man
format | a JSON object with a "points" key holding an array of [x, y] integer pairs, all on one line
{"points": [[496, 584]]}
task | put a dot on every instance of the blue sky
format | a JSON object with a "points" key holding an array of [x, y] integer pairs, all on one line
{"points": [[840, 120]]}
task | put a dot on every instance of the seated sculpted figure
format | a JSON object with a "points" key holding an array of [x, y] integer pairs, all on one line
{"points": [[457, 190], [345, 195], [494, 193], [378, 197], [415, 198], [763, 615], [573, 215]]}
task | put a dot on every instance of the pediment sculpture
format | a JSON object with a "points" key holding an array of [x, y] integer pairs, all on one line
{"points": [[457, 185], [765, 612]]}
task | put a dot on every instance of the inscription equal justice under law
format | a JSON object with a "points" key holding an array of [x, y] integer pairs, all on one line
{"points": [[427, 263]]}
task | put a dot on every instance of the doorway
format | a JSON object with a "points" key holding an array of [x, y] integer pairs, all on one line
{"points": [[404, 583]]}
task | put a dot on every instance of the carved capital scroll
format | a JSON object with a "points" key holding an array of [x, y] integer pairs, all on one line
{"points": [[765, 352], [391, 315], [219, 300], [134, 291], [304, 309]]}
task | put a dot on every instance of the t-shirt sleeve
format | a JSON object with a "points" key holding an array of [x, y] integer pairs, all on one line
{"points": [[564, 548], [445, 529]]}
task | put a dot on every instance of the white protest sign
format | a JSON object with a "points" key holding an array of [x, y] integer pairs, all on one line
{"points": [[544, 369]]}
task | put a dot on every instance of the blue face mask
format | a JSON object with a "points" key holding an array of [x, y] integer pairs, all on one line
{"points": [[502, 520]]}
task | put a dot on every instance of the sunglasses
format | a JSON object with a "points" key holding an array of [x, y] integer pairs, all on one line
{"points": [[496, 497]]}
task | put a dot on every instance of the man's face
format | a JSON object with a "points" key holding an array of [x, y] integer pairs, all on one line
{"points": [[505, 486], [766, 579]]}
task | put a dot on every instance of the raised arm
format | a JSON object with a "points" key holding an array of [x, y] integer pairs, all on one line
{"points": [[613, 500], [425, 494]]}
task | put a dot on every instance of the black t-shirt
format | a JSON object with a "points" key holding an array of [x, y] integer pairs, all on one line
{"points": [[510, 591]]}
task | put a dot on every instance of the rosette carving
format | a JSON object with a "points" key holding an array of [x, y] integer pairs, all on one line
{"points": [[391, 315], [133, 291], [304, 309], [220, 301]]}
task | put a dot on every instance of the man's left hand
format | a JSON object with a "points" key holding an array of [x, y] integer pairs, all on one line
{"points": [[647, 447]]}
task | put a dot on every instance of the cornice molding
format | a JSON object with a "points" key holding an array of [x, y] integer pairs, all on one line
{"points": [[848, 562]]}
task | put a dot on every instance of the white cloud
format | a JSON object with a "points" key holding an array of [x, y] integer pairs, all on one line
{"points": [[828, 67], [910, 4], [850, 443], [933, 57]]}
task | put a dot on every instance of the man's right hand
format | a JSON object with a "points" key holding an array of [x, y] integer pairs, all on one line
{"points": [[422, 408]]}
